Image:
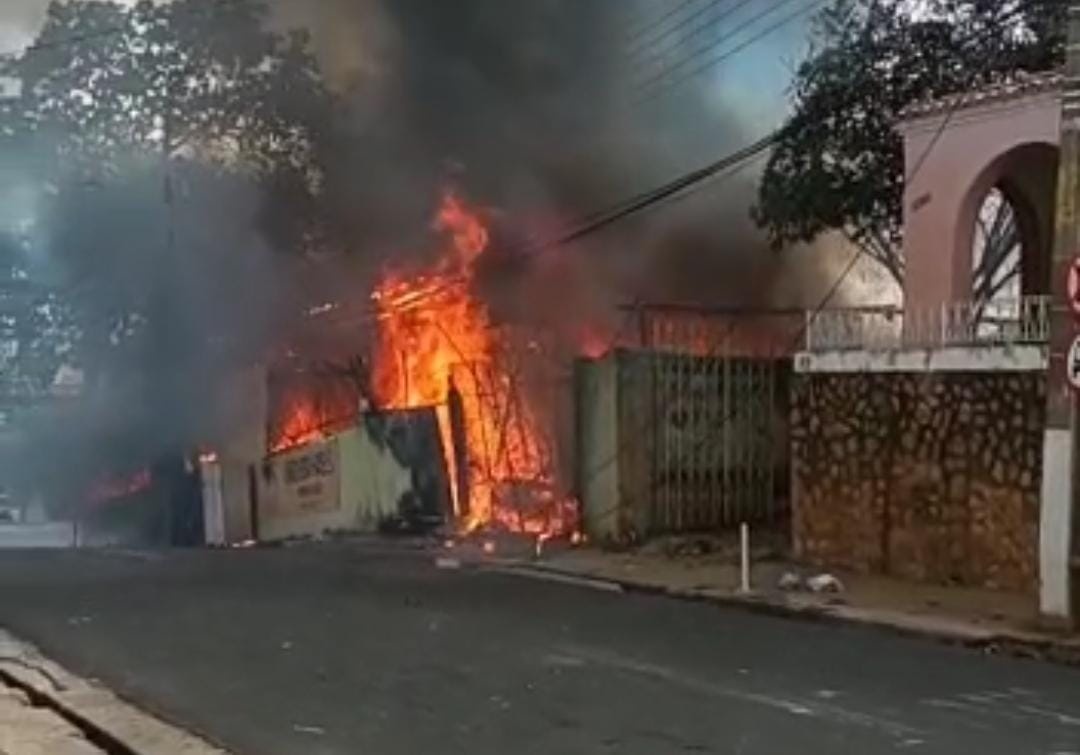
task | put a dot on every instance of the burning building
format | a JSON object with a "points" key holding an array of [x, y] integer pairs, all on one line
{"points": [[438, 346], [435, 347], [480, 94]]}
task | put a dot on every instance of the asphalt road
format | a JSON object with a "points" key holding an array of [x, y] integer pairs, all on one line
{"points": [[346, 650]]}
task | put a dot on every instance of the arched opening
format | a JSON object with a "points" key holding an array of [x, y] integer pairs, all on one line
{"points": [[996, 256], [1006, 231]]}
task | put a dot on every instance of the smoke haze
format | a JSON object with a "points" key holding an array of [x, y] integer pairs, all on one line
{"points": [[533, 110], [529, 109]]}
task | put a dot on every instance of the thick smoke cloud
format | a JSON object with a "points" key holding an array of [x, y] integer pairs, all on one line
{"points": [[206, 305], [528, 108], [529, 105], [532, 109]]}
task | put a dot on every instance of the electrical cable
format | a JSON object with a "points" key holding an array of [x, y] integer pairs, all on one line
{"points": [[812, 315], [657, 86], [633, 48], [661, 52]]}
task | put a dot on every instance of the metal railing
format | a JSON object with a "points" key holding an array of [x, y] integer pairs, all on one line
{"points": [[1013, 322]]}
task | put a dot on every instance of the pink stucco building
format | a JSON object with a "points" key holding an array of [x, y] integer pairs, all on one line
{"points": [[965, 482], [957, 150]]}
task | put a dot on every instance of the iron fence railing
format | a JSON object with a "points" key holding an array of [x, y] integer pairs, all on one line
{"points": [[1013, 322]]}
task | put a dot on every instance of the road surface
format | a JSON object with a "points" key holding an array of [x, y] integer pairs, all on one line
{"points": [[345, 649]]}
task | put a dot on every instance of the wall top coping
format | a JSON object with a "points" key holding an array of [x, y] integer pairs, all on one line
{"points": [[1015, 87], [1005, 358]]}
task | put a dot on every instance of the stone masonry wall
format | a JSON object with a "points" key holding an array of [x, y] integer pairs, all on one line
{"points": [[928, 476]]}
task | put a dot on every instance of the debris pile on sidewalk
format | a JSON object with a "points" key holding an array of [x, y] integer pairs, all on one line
{"points": [[707, 568]]}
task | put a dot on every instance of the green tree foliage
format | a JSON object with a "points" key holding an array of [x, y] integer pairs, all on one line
{"points": [[37, 332], [120, 106], [200, 78], [839, 163], [170, 152]]}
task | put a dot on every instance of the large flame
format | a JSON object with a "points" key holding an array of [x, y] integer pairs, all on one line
{"points": [[437, 346], [309, 406], [303, 423]]}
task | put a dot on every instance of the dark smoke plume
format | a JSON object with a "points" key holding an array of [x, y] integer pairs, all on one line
{"points": [[528, 107]]}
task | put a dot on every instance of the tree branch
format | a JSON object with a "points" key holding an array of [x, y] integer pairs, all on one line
{"points": [[874, 245]]}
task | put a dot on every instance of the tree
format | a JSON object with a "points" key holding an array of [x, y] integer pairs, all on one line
{"points": [[175, 147], [36, 331], [839, 163], [202, 78], [108, 93]]}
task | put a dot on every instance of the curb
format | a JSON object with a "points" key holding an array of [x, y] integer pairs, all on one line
{"points": [[990, 642], [107, 721]]}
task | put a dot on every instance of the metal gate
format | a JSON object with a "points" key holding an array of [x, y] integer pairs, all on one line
{"points": [[716, 441]]}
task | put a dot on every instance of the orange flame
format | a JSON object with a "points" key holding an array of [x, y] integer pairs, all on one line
{"points": [[437, 346], [593, 343], [302, 424]]}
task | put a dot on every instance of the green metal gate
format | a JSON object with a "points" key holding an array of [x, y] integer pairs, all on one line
{"points": [[716, 439]]}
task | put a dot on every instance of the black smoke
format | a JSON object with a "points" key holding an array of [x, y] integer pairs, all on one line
{"points": [[533, 111], [530, 109]]}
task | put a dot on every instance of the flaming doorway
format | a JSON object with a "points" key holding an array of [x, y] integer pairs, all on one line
{"points": [[437, 345]]}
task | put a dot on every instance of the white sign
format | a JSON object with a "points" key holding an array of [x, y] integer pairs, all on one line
{"points": [[1072, 364], [1073, 286], [303, 481]]}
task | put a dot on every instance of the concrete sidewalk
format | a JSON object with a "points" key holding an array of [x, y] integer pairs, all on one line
{"points": [[41, 702], [989, 620], [26, 729]]}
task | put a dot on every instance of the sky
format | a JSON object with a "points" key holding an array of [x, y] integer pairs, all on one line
{"points": [[19, 19], [756, 76], [699, 79]]}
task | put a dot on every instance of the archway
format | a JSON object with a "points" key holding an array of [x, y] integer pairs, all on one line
{"points": [[1006, 228]]}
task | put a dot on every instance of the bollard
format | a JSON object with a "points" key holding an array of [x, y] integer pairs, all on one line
{"points": [[744, 537]]}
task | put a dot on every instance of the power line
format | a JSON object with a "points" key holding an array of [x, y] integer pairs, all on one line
{"points": [[636, 205], [674, 190], [640, 22], [708, 24], [812, 315], [711, 180], [1015, 15], [731, 173], [680, 25], [651, 198], [769, 9], [644, 34], [598, 221], [656, 83]]}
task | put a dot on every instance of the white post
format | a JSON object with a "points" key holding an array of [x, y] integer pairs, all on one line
{"points": [[211, 474], [1059, 481], [944, 325], [744, 538], [1055, 526]]}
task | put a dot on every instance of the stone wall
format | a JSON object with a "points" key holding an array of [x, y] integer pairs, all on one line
{"points": [[927, 476]]}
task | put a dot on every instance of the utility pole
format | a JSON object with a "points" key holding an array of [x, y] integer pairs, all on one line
{"points": [[163, 296], [1058, 602]]}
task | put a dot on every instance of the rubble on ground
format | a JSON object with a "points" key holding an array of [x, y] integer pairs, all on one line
{"points": [[825, 583]]}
